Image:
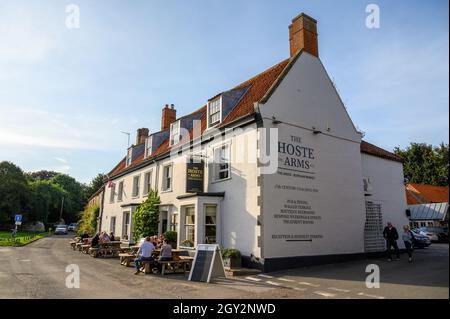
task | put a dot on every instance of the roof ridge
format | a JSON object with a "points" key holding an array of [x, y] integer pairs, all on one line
{"points": [[253, 78]]}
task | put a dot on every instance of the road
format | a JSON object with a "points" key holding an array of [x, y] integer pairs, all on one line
{"points": [[39, 271]]}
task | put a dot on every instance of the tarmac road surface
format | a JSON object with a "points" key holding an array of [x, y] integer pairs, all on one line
{"points": [[38, 270]]}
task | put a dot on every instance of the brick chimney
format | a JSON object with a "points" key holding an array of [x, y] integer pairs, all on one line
{"points": [[169, 115], [303, 35], [141, 135]]}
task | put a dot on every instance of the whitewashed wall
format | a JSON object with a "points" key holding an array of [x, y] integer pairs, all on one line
{"points": [[306, 100], [387, 180]]}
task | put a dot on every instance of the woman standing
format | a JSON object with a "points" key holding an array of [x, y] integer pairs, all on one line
{"points": [[408, 238]]}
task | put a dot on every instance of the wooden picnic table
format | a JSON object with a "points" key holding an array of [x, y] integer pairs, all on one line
{"points": [[106, 249]]}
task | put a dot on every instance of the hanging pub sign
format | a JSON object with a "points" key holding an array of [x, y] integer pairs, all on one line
{"points": [[194, 176]]}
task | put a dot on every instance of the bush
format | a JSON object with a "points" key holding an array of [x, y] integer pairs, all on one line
{"points": [[171, 236], [88, 222], [230, 253], [146, 217]]}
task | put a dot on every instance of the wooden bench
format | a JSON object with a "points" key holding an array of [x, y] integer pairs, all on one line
{"points": [[85, 248], [126, 259], [182, 264], [73, 244]]}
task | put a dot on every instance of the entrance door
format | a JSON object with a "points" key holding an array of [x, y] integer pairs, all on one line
{"points": [[163, 226], [126, 225]]}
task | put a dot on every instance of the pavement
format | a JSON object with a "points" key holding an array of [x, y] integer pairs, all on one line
{"points": [[38, 270]]}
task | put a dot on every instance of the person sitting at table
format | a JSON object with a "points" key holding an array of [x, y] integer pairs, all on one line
{"points": [[95, 240], [165, 254], [144, 254], [111, 236], [83, 236], [154, 241], [105, 238]]}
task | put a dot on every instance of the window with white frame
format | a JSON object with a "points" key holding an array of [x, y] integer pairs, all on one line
{"points": [[210, 224], [175, 133], [214, 111], [147, 182], [129, 156], [120, 191], [167, 178], [189, 226], [112, 226], [222, 167], [113, 193], [136, 181], [148, 146]]}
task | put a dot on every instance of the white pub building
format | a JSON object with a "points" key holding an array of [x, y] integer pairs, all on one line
{"points": [[315, 193]]}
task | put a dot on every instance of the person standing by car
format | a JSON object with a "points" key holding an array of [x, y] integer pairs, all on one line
{"points": [[391, 236], [408, 239]]}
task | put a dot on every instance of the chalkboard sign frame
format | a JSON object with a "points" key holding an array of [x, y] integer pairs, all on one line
{"points": [[216, 268]]}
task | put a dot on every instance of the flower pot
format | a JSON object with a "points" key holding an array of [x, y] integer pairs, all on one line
{"points": [[232, 263]]}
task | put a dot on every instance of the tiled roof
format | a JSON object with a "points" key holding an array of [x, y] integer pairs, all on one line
{"points": [[257, 86], [379, 152], [423, 194]]}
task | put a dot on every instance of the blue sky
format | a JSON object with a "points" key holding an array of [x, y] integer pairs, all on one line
{"points": [[65, 94]]}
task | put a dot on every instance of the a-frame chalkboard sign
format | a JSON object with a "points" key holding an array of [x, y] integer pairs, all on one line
{"points": [[207, 263]]}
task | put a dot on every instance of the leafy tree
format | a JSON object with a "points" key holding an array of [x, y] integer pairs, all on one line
{"points": [[76, 197], [45, 200], [425, 164], [146, 217], [14, 192], [88, 221], [43, 174], [97, 182]]}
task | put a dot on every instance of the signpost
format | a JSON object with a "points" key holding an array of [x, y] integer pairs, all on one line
{"points": [[207, 264], [194, 176]]}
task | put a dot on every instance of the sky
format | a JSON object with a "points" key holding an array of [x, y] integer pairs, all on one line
{"points": [[67, 93]]}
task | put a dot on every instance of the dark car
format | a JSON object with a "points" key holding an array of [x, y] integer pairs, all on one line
{"points": [[420, 241], [435, 233]]}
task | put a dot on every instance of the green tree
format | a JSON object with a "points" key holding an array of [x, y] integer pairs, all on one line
{"points": [[45, 200], [43, 174], [146, 217], [88, 221], [75, 196], [97, 182], [425, 164], [14, 192]]}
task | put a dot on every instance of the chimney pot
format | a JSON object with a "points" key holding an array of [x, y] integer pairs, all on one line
{"points": [[303, 35], [169, 115]]}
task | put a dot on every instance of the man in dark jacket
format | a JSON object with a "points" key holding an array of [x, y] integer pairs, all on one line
{"points": [[391, 235]]}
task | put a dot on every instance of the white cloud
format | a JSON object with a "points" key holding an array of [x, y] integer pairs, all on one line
{"points": [[34, 127]]}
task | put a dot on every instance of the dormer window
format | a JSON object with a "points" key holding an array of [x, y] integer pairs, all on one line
{"points": [[175, 133], [129, 156], [214, 111], [148, 146]]}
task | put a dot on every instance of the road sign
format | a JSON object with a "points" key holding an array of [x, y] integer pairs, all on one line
{"points": [[18, 218]]}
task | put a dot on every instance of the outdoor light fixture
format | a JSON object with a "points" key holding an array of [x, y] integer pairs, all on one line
{"points": [[316, 131], [275, 121]]}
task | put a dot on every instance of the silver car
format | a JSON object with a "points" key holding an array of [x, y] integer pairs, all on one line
{"points": [[61, 230]]}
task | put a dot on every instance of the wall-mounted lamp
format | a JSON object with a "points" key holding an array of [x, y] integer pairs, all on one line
{"points": [[275, 121], [316, 131]]}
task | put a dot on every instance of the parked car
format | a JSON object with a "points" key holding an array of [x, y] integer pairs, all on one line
{"points": [[437, 234], [420, 241], [72, 227], [61, 230]]}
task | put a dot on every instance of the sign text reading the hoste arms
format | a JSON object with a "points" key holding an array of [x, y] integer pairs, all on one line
{"points": [[296, 155]]}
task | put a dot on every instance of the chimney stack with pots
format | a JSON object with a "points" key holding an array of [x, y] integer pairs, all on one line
{"points": [[169, 115], [141, 135], [303, 35]]}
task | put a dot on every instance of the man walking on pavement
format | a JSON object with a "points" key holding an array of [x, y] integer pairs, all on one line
{"points": [[391, 235]]}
